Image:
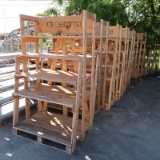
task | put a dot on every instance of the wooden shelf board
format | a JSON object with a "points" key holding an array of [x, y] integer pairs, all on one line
{"points": [[55, 56], [47, 93], [52, 75], [53, 94], [60, 90]]}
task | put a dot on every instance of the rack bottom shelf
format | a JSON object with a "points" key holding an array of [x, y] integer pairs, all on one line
{"points": [[49, 126]]}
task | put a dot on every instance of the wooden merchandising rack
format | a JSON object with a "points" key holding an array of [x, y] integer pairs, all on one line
{"points": [[66, 86]]}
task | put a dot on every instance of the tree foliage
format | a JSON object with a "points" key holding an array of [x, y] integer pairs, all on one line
{"points": [[144, 16], [49, 12], [109, 10], [140, 15]]}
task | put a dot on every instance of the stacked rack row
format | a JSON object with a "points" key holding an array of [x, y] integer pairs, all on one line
{"points": [[89, 68], [118, 63], [139, 59]]}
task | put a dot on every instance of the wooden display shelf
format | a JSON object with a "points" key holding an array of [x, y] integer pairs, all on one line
{"points": [[51, 75], [74, 50], [49, 126]]}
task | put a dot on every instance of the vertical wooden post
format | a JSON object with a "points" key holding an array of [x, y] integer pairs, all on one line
{"points": [[76, 109], [105, 65], [93, 78], [84, 71]]}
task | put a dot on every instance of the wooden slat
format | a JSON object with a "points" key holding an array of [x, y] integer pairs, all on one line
{"points": [[28, 18], [54, 56], [38, 131]]}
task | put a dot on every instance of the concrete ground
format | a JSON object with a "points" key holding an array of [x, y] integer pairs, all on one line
{"points": [[129, 131]]}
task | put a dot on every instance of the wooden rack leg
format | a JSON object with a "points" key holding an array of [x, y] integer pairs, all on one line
{"points": [[87, 112], [64, 67], [27, 102], [28, 114], [92, 110], [65, 112], [39, 105], [16, 111], [76, 110]]}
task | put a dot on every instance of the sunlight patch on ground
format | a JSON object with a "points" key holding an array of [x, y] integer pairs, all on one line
{"points": [[9, 154], [7, 139]]}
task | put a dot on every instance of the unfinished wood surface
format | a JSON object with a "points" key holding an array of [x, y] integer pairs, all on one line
{"points": [[54, 56], [94, 76], [139, 58], [53, 75], [104, 65], [111, 66], [133, 34], [74, 79], [102, 43], [76, 110], [118, 64], [84, 83], [54, 94], [50, 126], [124, 62]]}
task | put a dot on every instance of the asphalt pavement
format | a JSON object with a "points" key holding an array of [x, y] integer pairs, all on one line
{"points": [[129, 131]]}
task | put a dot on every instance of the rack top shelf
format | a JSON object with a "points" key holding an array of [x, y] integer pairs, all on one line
{"points": [[54, 56]]}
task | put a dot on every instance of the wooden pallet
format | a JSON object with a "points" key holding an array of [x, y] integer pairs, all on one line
{"points": [[49, 126]]}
